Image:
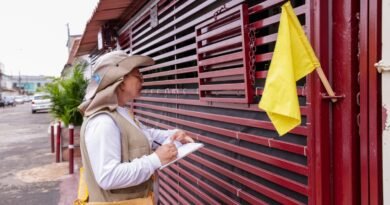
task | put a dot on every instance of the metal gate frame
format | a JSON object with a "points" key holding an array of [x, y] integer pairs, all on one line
{"points": [[370, 103]]}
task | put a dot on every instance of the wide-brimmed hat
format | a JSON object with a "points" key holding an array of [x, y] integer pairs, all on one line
{"points": [[108, 72]]}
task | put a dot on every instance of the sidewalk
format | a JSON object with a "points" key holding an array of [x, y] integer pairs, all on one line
{"points": [[69, 185]]}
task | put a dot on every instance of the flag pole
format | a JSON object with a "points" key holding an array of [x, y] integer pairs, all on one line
{"points": [[326, 84]]}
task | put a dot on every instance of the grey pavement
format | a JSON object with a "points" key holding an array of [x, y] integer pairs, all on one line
{"points": [[28, 174]]}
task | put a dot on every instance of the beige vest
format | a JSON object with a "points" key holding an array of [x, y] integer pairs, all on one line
{"points": [[134, 145]]}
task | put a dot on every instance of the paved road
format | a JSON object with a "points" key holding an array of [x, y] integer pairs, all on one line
{"points": [[25, 148]]}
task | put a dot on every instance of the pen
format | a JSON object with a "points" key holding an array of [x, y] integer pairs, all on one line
{"points": [[157, 143]]}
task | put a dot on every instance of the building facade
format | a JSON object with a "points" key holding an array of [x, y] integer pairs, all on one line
{"points": [[212, 59], [23, 84]]}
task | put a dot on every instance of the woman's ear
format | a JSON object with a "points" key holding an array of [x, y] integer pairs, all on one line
{"points": [[121, 86]]}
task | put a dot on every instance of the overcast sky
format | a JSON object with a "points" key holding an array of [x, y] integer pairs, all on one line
{"points": [[33, 33]]}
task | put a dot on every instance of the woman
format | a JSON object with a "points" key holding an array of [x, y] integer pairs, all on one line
{"points": [[117, 150]]}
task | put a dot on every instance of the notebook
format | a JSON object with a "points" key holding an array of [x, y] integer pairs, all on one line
{"points": [[182, 150]]}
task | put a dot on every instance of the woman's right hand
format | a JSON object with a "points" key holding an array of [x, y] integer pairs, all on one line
{"points": [[166, 153]]}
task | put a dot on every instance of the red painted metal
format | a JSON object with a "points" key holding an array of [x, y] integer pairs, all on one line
{"points": [[170, 82], [265, 141], [220, 35], [282, 181], [225, 199], [52, 137], [243, 180], [227, 186], [301, 130], [190, 186], [192, 23], [171, 72], [275, 18], [275, 161], [179, 199], [319, 144], [269, 142], [345, 128], [71, 148], [169, 63], [58, 142], [374, 96], [251, 107], [364, 103], [177, 187]]}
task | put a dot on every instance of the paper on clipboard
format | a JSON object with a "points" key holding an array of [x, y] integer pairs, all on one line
{"points": [[183, 150]]}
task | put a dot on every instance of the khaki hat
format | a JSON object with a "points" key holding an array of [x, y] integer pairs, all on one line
{"points": [[108, 73], [111, 67]]}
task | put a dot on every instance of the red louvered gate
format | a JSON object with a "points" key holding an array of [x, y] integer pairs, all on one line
{"points": [[211, 62]]}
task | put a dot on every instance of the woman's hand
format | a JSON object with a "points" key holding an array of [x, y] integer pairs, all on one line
{"points": [[182, 137], [166, 153]]}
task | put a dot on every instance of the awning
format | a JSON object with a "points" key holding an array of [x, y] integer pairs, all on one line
{"points": [[106, 10]]}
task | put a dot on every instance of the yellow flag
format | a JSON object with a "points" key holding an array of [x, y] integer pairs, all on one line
{"points": [[293, 59]]}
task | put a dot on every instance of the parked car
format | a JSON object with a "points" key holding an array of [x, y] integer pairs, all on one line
{"points": [[9, 101], [19, 99], [41, 102], [2, 104]]}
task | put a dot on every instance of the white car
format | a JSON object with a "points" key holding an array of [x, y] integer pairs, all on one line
{"points": [[41, 102], [19, 99]]}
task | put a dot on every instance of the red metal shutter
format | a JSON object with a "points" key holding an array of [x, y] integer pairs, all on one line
{"points": [[244, 161]]}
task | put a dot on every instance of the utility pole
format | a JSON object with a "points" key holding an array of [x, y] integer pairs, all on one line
{"points": [[20, 83], [1, 76]]}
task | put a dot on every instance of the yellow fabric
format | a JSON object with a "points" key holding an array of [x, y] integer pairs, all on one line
{"points": [[138, 201], [293, 59], [82, 196], [82, 193]]}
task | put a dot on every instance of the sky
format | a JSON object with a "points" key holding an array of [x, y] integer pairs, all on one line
{"points": [[33, 34]]}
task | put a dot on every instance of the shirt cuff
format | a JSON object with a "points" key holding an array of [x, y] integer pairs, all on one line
{"points": [[155, 160]]}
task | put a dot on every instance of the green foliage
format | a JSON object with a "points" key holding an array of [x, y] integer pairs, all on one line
{"points": [[67, 94]]}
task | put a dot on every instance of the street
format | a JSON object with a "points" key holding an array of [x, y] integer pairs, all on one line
{"points": [[28, 174]]}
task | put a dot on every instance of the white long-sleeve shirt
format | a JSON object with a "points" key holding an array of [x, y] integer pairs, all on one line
{"points": [[103, 142]]}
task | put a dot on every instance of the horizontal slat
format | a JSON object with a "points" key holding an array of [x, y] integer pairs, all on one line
{"points": [[266, 39], [175, 52], [247, 107], [171, 43], [265, 141], [169, 91], [221, 73], [190, 186], [168, 63], [162, 21], [180, 191], [263, 57], [171, 72], [237, 120], [232, 86], [229, 11], [220, 45], [172, 82], [220, 59], [219, 31], [189, 24], [223, 184], [249, 183], [213, 191], [176, 21], [264, 5], [272, 177], [275, 18], [224, 100], [165, 194], [284, 164], [164, 185], [162, 199], [301, 91]]}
